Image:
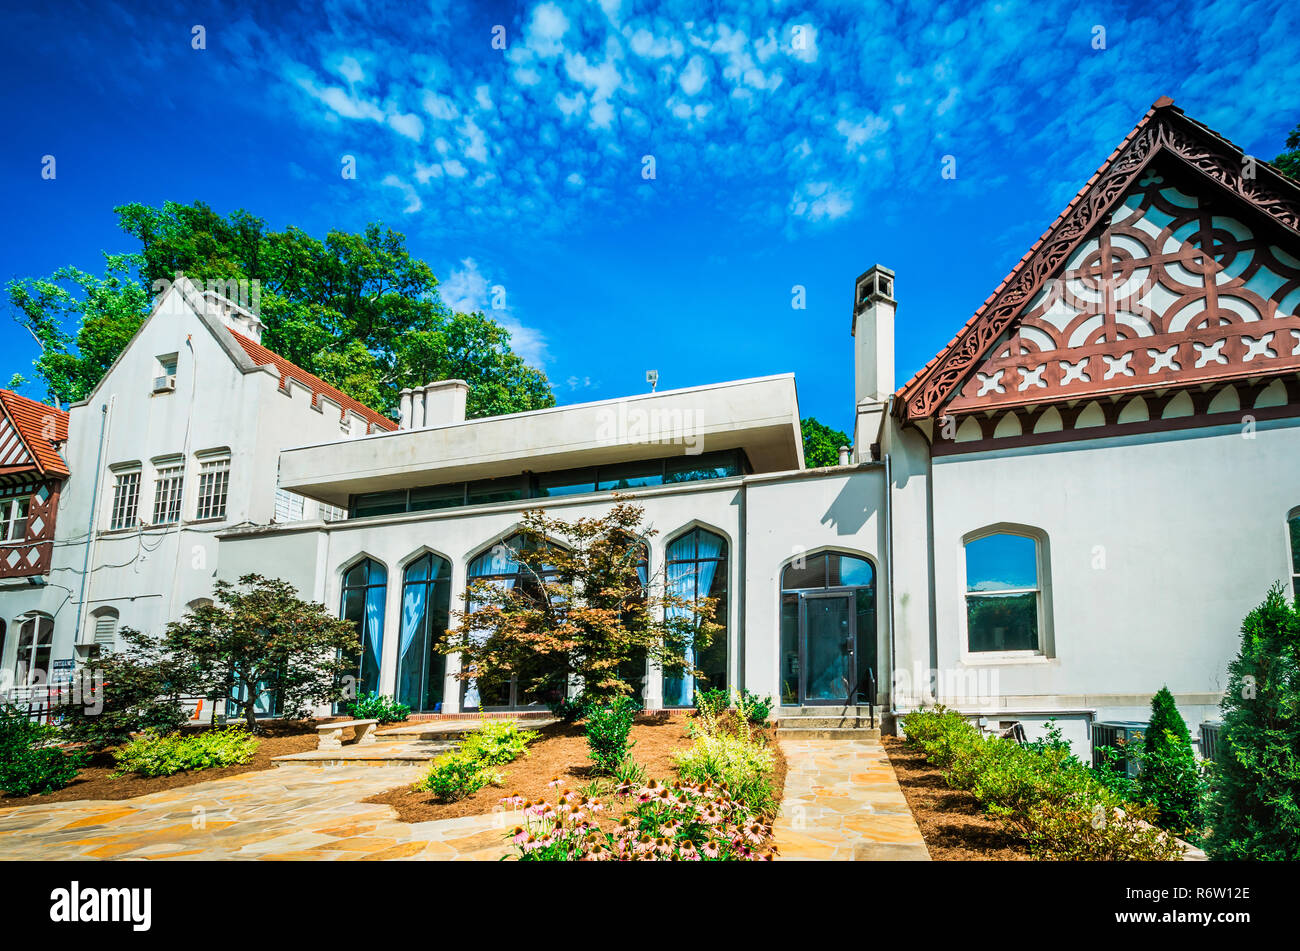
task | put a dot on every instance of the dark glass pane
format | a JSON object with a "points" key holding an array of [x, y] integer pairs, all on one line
{"points": [[506, 489], [809, 572], [789, 648], [568, 482], [1294, 523], [999, 562], [1002, 622], [846, 571], [630, 475], [712, 465], [866, 606], [437, 497], [380, 503]]}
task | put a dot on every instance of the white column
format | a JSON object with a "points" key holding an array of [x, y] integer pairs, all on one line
{"points": [[451, 683], [654, 693], [392, 631]]}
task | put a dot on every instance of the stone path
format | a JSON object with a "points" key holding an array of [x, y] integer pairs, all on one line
{"points": [[293, 812], [843, 802]]}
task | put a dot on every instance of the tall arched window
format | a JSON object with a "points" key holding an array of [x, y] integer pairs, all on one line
{"points": [[364, 587], [828, 629], [696, 567], [35, 639], [1003, 593], [500, 566], [426, 615]]}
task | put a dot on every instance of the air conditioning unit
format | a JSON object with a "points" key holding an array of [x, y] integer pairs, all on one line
{"points": [[1118, 734], [164, 384], [1211, 731]]}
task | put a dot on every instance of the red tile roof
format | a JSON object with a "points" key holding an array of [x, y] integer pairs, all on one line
{"points": [[264, 357], [32, 420]]}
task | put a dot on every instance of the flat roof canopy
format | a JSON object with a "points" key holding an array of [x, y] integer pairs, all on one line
{"points": [[760, 416]]}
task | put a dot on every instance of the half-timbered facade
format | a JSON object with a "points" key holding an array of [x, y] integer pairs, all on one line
{"points": [[32, 473]]}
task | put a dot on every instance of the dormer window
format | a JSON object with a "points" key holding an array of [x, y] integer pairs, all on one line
{"points": [[164, 380]]}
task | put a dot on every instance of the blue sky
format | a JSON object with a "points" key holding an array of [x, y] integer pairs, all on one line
{"points": [[793, 144]]}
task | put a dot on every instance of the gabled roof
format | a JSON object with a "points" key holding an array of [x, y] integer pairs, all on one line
{"points": [[264, 357], [38, 427], [1164, 130]]}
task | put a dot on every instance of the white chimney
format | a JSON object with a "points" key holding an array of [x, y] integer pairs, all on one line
{"points": [[435, 404], [444, 402], [873, 335]]}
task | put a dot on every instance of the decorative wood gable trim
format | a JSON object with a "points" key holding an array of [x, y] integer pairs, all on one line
{"points": [[33, 555], [1164, 130]]}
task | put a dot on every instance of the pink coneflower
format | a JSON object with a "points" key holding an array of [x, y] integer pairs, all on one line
{"points": [[557, 781], [711, 849], [519, 835], [687, 851]]}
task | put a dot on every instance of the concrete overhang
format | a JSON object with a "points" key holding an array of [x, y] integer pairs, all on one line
{"points": [[760, 416]]}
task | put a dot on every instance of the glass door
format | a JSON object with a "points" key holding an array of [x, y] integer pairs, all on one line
{"points": [[828, 624]]}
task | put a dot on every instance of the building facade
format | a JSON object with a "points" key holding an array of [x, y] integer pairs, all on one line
{"points": [[1075, 503]]}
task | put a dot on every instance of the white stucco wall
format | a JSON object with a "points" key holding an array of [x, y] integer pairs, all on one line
{"points": [[1158, 546]]}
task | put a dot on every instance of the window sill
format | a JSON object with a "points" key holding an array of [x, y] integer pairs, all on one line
{"points": [[206, 521], [1005, 659]]}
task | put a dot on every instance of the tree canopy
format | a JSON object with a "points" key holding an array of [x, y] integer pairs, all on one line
{"points": [[356, 309], [821, 444], [1288, 162]]}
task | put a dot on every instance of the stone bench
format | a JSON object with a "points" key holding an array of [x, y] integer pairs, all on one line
{"points": [[331, 734]]}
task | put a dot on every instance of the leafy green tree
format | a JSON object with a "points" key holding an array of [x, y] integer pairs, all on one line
{"points": [[260, 636], [107, 311], [1288, 163], [1255, 808], [129, 691], [581, 612], [821, 444], [1170, 778], [356, 309]]}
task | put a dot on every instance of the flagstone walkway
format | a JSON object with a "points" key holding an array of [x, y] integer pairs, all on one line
{"points": [[294, 812], [843, 802]]}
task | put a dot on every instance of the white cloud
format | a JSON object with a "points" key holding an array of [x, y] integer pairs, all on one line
{"points": [[413, 203], [407, 124], [694, 76], [821, 201], [466, 290], [546, 29]]}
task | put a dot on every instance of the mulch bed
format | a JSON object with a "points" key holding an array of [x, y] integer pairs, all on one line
{"points": [[562, 751], [96, 782], [952, 821]]}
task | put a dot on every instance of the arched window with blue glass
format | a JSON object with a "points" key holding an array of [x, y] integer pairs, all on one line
{"points": [[364, 587], [1004, 592], [426, 615], [696, 568], [828, 629], [499, 565]]}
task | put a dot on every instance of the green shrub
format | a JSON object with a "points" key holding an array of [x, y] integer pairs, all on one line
{"points": [[1040, 791], [376, 706], [1170, 779], [754, 708], [745, 764], [465, 771], [30, 759], [608, 726], [713, 701], [453, 776], [566, 709], [1255, 808], [151, 755], [498, 742]]}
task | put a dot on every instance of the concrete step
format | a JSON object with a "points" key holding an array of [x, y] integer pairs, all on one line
{"points": [[413, 753], [447, 729], [828, 723], [823, 733], [829, 710]]}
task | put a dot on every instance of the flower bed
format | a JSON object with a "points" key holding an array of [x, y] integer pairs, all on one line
{"points": [[1040, 792]]}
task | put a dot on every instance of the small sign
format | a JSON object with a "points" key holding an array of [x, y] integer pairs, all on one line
{"points": [[61, 671]]}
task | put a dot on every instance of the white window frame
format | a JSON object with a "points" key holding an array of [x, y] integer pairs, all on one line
{"points": [[10, 519], [213, 495], [1046, 650], [168, 491], [286, 503], [119, 504], [1290, 555]]}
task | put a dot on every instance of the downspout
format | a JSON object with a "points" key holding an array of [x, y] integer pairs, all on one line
{"points": [[91, 537], [743, 565]]}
